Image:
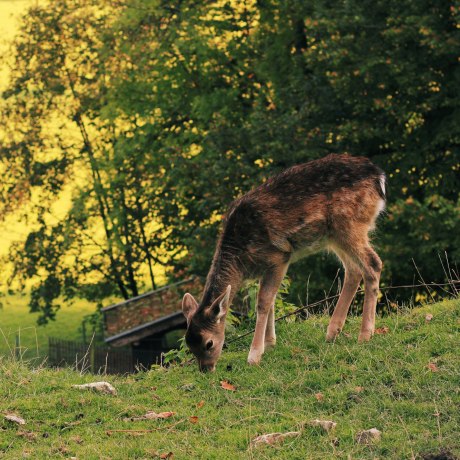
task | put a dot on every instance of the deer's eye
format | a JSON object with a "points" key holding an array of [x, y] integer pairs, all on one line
{"points": [[209, 344]]}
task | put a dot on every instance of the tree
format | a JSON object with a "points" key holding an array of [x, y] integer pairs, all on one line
{"points": [[179, 107], [60, 141]]}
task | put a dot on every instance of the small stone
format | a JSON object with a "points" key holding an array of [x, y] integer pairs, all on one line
{"points": [[103, 387], [368, 436], [188, 387], [326, 425], [15, 419], [273, 438]]}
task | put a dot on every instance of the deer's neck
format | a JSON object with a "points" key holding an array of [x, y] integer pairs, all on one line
{"points": [[224, 271]]}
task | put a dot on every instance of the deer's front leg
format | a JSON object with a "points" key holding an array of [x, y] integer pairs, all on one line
{"points": [[266, 299], [270, 334]]}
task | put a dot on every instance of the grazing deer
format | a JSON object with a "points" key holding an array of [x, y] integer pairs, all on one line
{"points": [[331, 203]]}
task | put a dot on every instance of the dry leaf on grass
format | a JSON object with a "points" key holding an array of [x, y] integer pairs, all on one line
{"points": [[359, 389], [29, 435], [200, 405], [432, 367], [319, 396], [77, 439], [103, 387], [150, 415], [368, 436], [167, 455], [227, 386], [15, 419], [326, 425], [273, 438], [382, 330], [193, 419], [428, 317]]}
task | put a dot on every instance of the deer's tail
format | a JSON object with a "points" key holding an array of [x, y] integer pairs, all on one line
{"points": [[381, 186]]}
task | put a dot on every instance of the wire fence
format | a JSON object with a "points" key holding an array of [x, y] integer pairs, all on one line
{"points": [[99, 359], [454, 286]]}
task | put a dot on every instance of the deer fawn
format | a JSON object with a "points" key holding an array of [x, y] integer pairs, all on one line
{"points": [[331, 203]]}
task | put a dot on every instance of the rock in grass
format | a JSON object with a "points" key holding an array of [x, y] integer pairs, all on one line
{"points": [[273, 438], [188, 387], [368, 436], [103, 387], [150, 415], [326, 425], [15, 419]]}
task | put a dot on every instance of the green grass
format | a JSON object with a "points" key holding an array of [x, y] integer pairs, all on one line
{"points": [[15, 319], [416, 409]]}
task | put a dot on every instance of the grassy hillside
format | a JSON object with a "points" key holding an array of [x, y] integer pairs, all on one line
{"points": [[405, 383], [16, 319]]}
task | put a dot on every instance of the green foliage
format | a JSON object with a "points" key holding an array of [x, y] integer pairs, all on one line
{"points": [[282, 306], [176, 108], [385, 384], [177, 355]]}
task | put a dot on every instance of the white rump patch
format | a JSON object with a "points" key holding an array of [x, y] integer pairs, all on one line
{"points": [[381, 202], [382, 183]]}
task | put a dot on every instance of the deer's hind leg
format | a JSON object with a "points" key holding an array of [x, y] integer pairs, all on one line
{"points": [[351, 282], [357, 248], [372, 267]]}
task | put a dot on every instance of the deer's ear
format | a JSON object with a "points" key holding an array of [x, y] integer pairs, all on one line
{"points": [[189, 306], [220, 306]]}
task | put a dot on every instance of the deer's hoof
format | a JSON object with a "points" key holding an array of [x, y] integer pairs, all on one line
{"points": [[365, 336], [254, 358], [332, 333]]}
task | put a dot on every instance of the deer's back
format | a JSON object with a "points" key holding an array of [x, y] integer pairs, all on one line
{"points": [[301, 209]]}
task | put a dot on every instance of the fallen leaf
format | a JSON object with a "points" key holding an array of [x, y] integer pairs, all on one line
{"points": [[433, 367], [326, 425], [200, 405], [77, 439], [168, 455], [150, 415], [15, 419], [193, 419], [428, 317], [296, 351], [103, 387], [368, 436], [319, 396], [63, 449], [359, 389], [227, 386], [160, 415], [29, 435], [382, 330], [273, 438]]}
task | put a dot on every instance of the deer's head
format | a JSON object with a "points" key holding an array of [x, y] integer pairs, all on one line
{"points": [[206, 328]]}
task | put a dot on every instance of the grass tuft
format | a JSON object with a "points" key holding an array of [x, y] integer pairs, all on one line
{"points": [[405, 383]]}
